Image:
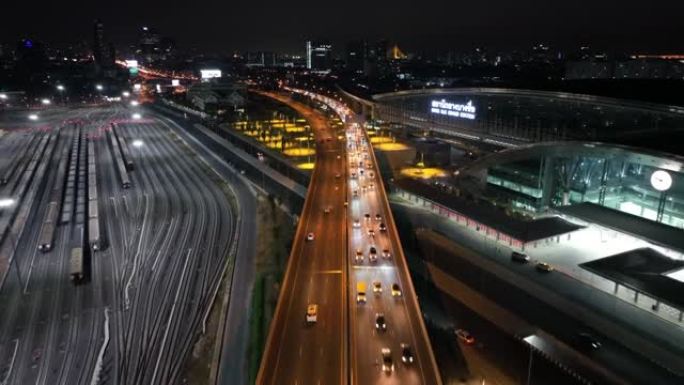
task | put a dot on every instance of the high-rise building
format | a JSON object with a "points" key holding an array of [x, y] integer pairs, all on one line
{"points": [[98, 43], [318, 56], [103, 52], [261, 59], [153, 47], [378, 51], [356, 55]]}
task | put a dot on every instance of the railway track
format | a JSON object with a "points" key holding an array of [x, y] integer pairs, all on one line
{"points": [[170, 269]]}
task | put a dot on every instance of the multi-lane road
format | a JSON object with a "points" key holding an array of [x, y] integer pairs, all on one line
{"points": [[344, 345], [137, 314], [297, 352], [372, 226]]}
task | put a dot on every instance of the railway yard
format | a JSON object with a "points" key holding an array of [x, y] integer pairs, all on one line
{"points": [[114, 236]]}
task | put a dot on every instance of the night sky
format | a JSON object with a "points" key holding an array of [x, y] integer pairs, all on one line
{"points": [[651, 25]]}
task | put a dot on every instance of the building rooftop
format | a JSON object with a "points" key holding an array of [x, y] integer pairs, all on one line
{"points": [[490, 215], [644, 270], [655, 232]]}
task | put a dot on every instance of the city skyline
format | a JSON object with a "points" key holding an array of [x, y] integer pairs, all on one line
{"points": [[435, 24], [310, 193]]}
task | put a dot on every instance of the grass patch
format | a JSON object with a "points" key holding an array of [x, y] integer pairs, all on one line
{"points": [[198, 364], [275, 234], [257, 334]]}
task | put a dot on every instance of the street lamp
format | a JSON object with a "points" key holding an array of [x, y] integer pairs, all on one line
{"points": [[125, 94], [137, 116], [99, 87], [61, 90], [138, 143], [262, 159], [46, 102], [7, 202], [3, 96], [134, 103], [33, 117]]}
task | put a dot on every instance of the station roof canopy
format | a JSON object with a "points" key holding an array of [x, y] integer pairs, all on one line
{"points": [[490, 215], [654, 232], [643, 270]]}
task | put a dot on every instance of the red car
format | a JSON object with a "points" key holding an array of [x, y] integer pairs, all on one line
{"points": [[465, 337]]}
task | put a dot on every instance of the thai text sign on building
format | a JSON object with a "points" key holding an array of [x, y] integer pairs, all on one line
{"points": [[464, 111]]}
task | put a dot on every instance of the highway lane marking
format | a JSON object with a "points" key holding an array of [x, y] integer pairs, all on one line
{"points": [[379, 267]]}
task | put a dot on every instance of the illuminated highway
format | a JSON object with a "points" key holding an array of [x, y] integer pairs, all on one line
{"points": [[402, 315], [297, 353]]}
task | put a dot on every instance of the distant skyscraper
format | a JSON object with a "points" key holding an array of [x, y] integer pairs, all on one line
{"points": [[378, 51], [152, 47], [318, 56], [98, 43], [103, 52], [356, 55], [261, 59]]}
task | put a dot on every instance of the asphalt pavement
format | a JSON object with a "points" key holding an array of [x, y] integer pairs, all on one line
{"points": [[403, 320], [298, 352]]}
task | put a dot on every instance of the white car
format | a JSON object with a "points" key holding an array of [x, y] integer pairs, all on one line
{"points": [[544, 267], [357, 223], [377, 287], [310, 237]]}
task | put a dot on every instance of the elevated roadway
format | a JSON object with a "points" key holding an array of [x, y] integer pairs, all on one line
{"points": [[345, 345], [296, 352], [402, 313]]}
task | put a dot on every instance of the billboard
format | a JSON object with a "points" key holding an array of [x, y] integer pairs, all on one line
{"points": [[210, 73], [132, 66]]}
